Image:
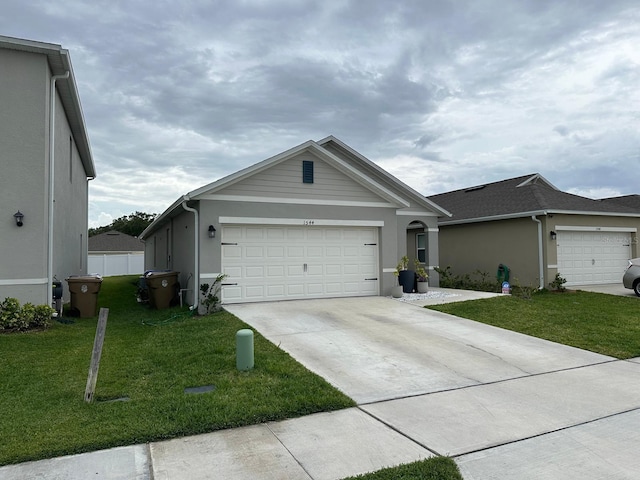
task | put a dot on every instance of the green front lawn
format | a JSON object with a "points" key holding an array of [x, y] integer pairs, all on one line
{"points": [[435, 468], [150, 357], [601, 323]]}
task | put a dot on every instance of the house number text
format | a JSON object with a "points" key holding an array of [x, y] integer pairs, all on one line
{"points": [[309, 222]]}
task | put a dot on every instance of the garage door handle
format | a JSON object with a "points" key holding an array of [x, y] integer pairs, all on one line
{"points": [[371, 279], [368, 244], [227, 284], [225, 243]]}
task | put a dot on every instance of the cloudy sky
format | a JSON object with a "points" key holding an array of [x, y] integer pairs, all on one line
{"points": [[442, 94]]}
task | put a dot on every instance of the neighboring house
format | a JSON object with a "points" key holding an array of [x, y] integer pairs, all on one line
{"points": [[536, 230], [318, 220], [115, 253], [46, 165]]}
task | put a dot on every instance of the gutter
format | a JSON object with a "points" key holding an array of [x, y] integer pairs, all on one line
{"points": [[52, 133], [540, 252], [196, 252]]}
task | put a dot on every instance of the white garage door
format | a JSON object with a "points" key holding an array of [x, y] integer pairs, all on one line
{"points": [[593, 257], [266, 263]]}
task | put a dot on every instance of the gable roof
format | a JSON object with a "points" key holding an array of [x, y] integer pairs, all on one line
{"points": [[60, 63], [114, 241], [309, 146], [518, 197], [355, 166]]}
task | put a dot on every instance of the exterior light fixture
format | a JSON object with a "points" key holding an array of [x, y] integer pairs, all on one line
{"points": [[212, 231], [553, 235], [19, 216]]}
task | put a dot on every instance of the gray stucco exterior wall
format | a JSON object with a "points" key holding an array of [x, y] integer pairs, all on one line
{"points": [[24, 136]]}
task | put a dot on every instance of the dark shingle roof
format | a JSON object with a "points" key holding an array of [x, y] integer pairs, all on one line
{"points": [[631, 201], [114, 241], [528, 194]]}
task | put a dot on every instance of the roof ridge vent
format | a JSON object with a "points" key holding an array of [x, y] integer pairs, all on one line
{"points": [[473, 189]]}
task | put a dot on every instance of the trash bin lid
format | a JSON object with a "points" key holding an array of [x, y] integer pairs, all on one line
{"points": [[85, 278], [160, 273]]}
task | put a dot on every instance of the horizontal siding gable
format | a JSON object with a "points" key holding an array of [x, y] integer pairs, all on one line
{"points": [[284, 180]]}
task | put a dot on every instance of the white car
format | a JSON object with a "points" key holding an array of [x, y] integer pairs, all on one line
{"points": [[631, 278]]}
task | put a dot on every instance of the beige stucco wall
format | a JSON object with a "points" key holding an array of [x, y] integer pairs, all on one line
{"points": [[483, 246]]}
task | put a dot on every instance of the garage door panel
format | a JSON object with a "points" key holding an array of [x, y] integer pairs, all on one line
{"points": [[276, 290], [254, 252], [275, 234], [275, 252], [295, 270], [314, 252], [274, 271], [315, 270], [255, 272], [295, 290], [299, 262], [592, 257], [315, 289]]}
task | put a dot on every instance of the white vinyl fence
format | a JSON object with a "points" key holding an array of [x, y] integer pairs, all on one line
{"points": [[116, 264]]}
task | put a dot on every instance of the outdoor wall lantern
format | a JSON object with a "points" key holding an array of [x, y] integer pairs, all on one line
{"points": [[19, 216], [553, 235], [212, 231]]}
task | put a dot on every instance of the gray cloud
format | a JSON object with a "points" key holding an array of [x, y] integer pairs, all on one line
{"points": [[443, 94]]}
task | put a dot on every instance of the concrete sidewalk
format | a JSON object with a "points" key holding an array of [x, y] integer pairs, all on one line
{"points": [[504, 405]]}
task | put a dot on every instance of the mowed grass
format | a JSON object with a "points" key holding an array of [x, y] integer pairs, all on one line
{"points": [[601, 323], [435, 468], [150, 357]]}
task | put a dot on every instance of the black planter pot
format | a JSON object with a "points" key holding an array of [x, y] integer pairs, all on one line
{"points": [[407, 279]]}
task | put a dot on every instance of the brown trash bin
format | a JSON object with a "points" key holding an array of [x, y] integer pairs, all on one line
{"points": [[162, 287], [84, 291]]}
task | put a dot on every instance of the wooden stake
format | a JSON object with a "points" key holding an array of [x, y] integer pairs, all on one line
{"points": [[95, 355]]}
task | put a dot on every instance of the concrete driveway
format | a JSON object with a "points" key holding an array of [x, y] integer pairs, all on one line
{"points": [[609, 288], [504, 405]]}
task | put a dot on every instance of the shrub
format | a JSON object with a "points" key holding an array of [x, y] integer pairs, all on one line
{"points": [[211, 294], [484, 283], [13, 317], [558, 283]]}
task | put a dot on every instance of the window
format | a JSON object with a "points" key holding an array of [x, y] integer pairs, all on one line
{"points": [[307, 171], [421, 251]]}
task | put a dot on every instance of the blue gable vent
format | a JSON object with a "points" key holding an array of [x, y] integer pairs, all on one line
{"points": [[307, 171]]}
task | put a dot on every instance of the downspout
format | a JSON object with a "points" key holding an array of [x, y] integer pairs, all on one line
{"points": [[540, 252], [196, 253], [52, 134]]}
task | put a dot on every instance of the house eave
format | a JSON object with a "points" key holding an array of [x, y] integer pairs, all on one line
{"points": [[511, 216]]}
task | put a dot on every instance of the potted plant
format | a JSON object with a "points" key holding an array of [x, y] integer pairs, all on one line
{"points": [[396, 291], [406, 277], [421, 277]]}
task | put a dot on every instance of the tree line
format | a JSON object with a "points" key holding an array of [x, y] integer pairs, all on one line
{"points": [[132, 224]]}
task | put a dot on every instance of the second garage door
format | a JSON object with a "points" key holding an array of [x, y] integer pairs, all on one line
{"points": [[593, 257], [266, 263]]}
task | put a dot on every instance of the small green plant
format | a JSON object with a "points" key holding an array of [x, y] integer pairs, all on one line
{"points": [[465, 282], [523, 292], [421, 273], [558, 282], [403, 264], [14, 317], [211, 294]]}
